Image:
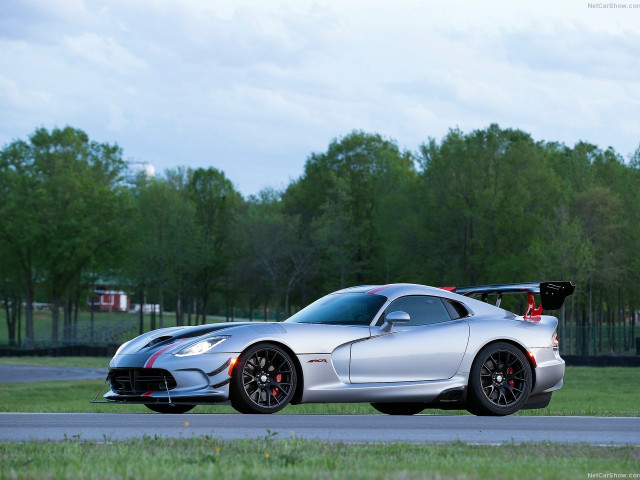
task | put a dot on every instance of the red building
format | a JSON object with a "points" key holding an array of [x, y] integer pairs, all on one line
{"points": [[106, 300]]}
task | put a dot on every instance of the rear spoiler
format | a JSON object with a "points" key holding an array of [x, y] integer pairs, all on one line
{"points": [[552, 294]]}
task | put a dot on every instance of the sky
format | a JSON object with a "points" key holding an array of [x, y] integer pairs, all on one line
{"points": [[254, 87]]}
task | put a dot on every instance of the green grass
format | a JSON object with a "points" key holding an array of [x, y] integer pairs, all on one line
{"points": [[591, 391], [596, 391], [152, 458], [74, 396], [587, 391], [42, 325], [89, 362]]}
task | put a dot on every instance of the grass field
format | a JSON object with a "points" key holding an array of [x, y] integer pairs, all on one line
{"points": [[103, 321], [587, 391], [42, 324], [89, 362], [612, 391], [153, 458]]}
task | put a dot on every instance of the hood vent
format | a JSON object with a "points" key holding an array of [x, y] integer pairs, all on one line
{"points": [[158, 340], [200, 331], [190, 333]]}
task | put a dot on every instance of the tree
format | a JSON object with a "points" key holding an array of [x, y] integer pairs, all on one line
{"points": [[84, 210], [10, 293], [274, 248], [343, 200], [62, 208], [166, 249], [483, 194], [563, 251], [215, 201], [20, 230]]}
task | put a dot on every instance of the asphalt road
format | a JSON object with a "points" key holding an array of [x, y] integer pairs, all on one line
{"points": [[25, 373], [348, 428]]}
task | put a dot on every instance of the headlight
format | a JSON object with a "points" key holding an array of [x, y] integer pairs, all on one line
{"points": [[201, 347], [121, 347]]}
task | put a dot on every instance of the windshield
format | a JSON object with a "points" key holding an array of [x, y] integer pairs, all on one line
{"points": [[341, 309]]}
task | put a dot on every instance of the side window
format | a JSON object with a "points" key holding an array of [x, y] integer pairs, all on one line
{"points": [[422, 309], [455, 309]]}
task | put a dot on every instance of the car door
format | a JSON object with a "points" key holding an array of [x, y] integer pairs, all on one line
{"points": [[429, 347]]}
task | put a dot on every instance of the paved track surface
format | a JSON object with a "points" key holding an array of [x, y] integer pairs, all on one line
{"points": [[24, 373], [348, 428]]}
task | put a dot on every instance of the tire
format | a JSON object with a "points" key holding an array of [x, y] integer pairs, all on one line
{"points": [[166, 408], [263, 380], [405, 408], [500, 381]]}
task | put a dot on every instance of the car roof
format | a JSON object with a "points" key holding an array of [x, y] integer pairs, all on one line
{"points": [[396, 289]]}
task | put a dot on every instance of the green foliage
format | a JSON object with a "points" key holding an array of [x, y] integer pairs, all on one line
{"points": [[272, 245], [347, 199], [480, 203], [216, 202], [164, 248], [488, 206], [62, 208], [612, 392]]}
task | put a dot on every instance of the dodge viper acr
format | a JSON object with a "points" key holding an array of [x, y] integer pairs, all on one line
{"points": [[400, 347]]}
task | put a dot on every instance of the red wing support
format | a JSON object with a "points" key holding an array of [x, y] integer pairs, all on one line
{"points": [[533, 312]]}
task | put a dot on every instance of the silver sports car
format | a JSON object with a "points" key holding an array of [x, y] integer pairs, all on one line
{"points": [[400, 347]]}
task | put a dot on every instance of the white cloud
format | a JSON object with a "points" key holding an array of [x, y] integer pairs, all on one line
{"points": [[23, 98], [103, 51], [253, 87], [10, 90]]}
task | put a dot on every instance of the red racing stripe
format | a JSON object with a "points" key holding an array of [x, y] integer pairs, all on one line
{"points": [[148, 394], [448, 289], [153, 358], [376, 290]]}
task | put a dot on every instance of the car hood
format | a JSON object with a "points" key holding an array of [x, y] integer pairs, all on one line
{"points": [[300, 337], [178, 337]]}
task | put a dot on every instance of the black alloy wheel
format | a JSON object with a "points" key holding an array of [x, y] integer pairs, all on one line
{"points": [[402, 408], [263, 380], [166, 408], [500, 380]]}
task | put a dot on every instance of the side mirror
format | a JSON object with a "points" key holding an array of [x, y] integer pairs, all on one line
{"points": [[394, 317]]}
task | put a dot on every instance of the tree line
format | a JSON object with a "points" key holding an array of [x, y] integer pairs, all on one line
{"points": [[488, 206]]}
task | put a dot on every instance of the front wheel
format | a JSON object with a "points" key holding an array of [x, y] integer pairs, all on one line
{"points": [[500, 381], [166, 408], [404, 408], [263, 381]]}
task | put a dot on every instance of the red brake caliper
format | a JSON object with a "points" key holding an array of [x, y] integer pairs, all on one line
{"points": [[510, 372], [274, 390]]}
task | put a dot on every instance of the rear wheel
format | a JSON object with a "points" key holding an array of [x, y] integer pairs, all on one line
{"points": [[166, 408], [263, 380], [500, 380], [405, 408]]}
